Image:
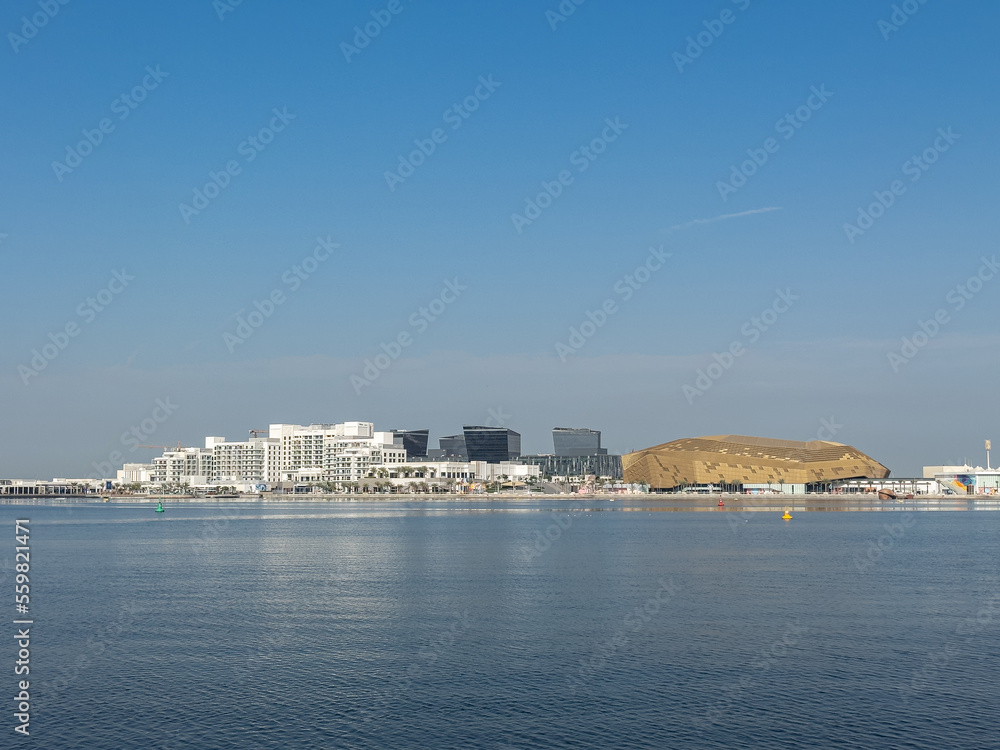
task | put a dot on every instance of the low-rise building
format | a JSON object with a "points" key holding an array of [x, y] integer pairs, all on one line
{"points": [[965, 479], [42, 488], [132, 473]]}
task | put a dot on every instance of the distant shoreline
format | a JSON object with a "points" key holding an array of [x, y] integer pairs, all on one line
{"points": [[691, 499]]}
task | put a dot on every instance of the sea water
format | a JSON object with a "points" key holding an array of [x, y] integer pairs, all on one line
{"points": [[496, 623]]}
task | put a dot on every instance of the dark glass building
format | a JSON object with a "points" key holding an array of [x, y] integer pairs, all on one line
{"points": [[601, 465], [491, 444], [413, 441], [453, 446], [577, 442]]}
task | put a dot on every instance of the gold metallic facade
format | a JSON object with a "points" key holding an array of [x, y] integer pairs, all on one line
{"points": [[733, 459]]}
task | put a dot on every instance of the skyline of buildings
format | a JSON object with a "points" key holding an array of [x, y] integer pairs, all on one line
{"points": [[340, 453], [350, 452], [343, 454]]}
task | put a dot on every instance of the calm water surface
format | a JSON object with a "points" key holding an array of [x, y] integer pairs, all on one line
{"points": [[488, 624]]}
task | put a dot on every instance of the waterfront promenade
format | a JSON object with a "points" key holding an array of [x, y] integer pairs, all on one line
{"points": [[630, 502]]}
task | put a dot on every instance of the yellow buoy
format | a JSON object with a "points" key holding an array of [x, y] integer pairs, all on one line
{"points": [[787, 516]]}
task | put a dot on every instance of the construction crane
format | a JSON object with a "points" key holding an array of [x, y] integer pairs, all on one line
{"points": [[256, 433], [163, 447]]}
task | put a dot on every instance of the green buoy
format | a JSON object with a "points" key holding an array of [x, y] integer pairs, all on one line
{"points": [[159, 507]]}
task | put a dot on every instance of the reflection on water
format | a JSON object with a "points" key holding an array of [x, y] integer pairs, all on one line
{"points": [[514, 623], [366, 507]]}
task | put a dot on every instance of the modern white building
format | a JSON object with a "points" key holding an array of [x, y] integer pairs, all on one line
{"points": [[184, 466], [965, 480], [344, 452], [472, 471], [131, 473], [254, 460], [41, 488]]}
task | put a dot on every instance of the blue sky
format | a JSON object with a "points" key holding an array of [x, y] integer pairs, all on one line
{"points": [[208, 85]]}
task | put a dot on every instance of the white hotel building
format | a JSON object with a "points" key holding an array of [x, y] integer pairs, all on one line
{"points": [[340, 453], [290, 453]]}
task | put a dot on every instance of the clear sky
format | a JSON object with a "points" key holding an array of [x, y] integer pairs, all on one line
{"points": [[229, 208]]}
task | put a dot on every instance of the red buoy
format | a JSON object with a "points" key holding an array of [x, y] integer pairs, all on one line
{"points": [[721, 504]]}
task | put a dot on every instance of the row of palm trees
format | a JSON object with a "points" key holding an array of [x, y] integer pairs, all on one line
{"points": [[377, 481], [370, 487]]}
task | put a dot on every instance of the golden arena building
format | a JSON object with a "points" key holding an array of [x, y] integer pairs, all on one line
{"points": [[737, 462]]}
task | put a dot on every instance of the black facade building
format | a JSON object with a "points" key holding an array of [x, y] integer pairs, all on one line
{"points": [[577, 442], [491, 444], [414, 442], [600, 465], [453, 446]]}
